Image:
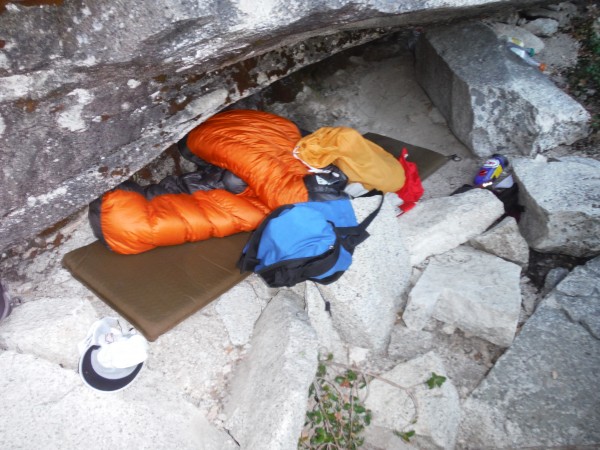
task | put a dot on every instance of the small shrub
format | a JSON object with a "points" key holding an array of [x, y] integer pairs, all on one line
{"points": [[584, 78], [337, 415]]}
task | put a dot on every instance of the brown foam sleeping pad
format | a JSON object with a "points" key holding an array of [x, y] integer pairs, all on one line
{"points": [[158, 289]]}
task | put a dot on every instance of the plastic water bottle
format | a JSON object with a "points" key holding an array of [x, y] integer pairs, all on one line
{"points": [[520, 50], [526, 55]]}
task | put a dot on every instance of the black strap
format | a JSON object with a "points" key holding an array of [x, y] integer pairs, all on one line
{"points": [[327, 262], [349, 237], [248, 260], [291, 271], [352, 236]]}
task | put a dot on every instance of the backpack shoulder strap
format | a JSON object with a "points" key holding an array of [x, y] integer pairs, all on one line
{"points": [[352, 236]]}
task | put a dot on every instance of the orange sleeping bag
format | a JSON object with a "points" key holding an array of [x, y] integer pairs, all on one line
{"points": [[254, 145], [257, 147]]}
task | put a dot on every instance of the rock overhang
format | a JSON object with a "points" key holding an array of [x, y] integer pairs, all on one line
{"points": [[90, 93]]}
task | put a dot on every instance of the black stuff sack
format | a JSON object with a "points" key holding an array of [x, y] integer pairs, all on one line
{"points": [[305, 241]]}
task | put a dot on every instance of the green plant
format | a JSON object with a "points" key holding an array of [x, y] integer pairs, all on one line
{"points": [[596, 122], [337, 415], [586, 74], [435, 380], [584, 78], [406, 435]]}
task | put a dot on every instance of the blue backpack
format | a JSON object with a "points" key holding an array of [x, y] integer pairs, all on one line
{"points": [[305, 241]]}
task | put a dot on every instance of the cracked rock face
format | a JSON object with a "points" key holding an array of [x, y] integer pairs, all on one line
{"points": [[541, 391], [493, 100], [562, 205], [93, 91]]}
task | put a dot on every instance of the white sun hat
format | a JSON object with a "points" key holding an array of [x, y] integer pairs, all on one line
{"points": [[111, 358]]}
